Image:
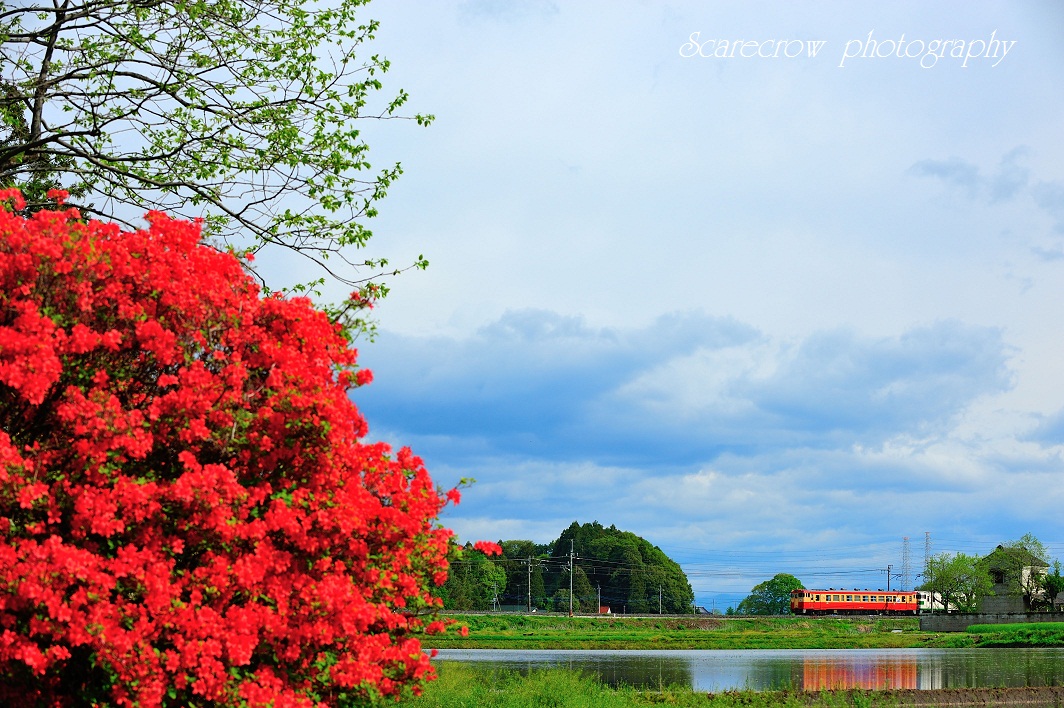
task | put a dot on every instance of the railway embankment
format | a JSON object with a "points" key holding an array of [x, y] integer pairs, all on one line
{"points": [[502, 631], [513, 631]]}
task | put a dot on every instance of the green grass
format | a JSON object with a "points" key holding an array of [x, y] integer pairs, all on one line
{"points": [[618, 632], [459, 686], [1026, 634], [992, 628]]}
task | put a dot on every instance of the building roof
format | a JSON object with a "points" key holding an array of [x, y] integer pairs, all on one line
{"points": [[1010, 557]]}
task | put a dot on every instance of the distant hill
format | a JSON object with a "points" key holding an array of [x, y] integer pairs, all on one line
{"points": [[627, 572]]}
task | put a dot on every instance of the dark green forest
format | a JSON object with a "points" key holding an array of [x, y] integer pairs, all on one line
{"points": [[610, 568]]}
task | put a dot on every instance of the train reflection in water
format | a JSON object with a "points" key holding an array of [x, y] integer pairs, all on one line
{"points": [[822, 672]]}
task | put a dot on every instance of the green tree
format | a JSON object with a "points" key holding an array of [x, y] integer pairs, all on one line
{"points": [[249, 115], [583, 591], [632, 573], [35, 175], [560, 601], [474, 581], [772, 597], [627, 582], [516, 557], [958, 581], [1054, 582]]}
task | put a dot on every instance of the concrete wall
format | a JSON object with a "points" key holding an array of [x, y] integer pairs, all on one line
{"points": [[1002, 604], [961, 622]]}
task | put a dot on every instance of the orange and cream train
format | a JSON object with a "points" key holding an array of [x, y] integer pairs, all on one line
{"points": [[854, 602]]}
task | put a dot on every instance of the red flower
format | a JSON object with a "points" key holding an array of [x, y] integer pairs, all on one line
{"points": [[187, 506], [488, 548], [58, 196]]}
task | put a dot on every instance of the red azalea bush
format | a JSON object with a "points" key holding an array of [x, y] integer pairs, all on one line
{"points": [[188, 515]]}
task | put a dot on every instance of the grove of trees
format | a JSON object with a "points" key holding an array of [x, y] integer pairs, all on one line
{"points": [[627, 573]]}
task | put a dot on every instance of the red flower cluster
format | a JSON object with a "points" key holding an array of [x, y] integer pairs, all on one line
{"points": [[488, 548], [188, 514]]}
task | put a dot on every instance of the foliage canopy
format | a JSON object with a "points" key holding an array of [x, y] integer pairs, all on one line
{"points": [[958, 581], [771, 597], [247, 113]]}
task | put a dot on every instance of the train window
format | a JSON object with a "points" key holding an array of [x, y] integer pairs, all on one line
{"points": [[849, 598], [818, 598]]}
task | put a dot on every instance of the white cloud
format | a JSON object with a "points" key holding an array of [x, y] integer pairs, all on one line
{"points": [[705, 431], [867, 261]]}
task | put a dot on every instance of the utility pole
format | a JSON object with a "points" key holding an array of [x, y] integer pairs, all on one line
{"points": [[572, 569], [599, 610], [889, 566], [927, 569], [530, 584], [659, 599], [906, 565]]}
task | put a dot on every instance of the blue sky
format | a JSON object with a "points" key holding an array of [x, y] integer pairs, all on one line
{"points": [[772, 314]]}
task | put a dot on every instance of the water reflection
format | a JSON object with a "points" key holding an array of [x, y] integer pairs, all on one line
{"points": [[712, 670], [858, 671]]}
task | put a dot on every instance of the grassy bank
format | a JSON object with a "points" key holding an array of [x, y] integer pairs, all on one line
{"points": [[618, 632], [1028, 634]]}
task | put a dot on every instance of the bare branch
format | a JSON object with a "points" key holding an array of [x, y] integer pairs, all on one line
{"points": [[242, 112]]}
